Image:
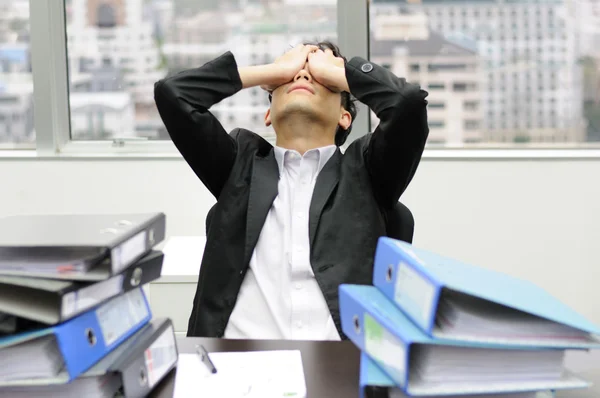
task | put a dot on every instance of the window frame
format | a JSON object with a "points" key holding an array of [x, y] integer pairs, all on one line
{"points": [[52, 111]]}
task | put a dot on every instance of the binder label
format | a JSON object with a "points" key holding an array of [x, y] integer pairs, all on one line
{"points": [[88, 297], [405, 247], [414, 294], [386, 348], [160, 356], [123, 255], [120, 315]]}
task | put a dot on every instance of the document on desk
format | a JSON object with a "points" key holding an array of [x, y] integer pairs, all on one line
{"points": [[254, 374]]}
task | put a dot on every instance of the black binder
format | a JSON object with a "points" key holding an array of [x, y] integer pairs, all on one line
{"points": [[68, 246], [52, 301]]}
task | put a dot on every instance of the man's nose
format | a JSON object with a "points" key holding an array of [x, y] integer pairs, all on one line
{"points": [[303, 74]]}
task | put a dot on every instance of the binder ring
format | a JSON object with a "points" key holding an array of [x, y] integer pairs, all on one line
{"points": [[143, 379], [136, 277], [90, 337], [389, 273], [356, 324]]}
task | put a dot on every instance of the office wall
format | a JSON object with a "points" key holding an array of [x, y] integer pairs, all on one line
{"points": [[539, 220]]}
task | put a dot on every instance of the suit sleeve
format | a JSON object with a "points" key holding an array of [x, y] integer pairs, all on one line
{"points": [[183, 101], [396, 146]]}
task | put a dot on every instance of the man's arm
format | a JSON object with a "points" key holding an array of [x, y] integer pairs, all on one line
{"points": [[183, 101], [396, 146]]}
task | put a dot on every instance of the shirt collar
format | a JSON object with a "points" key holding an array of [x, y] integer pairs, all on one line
{"points": [[323, 154]]}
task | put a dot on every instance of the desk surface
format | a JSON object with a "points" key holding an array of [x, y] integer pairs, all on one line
{"points": [[331, 368]]}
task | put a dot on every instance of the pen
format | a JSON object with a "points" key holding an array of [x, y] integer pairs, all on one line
{"points": [[203, 354]]}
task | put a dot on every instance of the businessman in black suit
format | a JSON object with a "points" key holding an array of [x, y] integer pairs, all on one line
{"points": [[294, 221]]}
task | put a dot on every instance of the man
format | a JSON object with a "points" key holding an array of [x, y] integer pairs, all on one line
{"points": [[294, 221]]}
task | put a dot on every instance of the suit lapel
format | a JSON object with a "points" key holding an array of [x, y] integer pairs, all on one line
{"points": [[263, 190], [326, 182]]}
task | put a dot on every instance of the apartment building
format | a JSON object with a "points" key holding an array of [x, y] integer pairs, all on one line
{"points": [[532, 83], [449, 71], [115, 33], [16, 108]]}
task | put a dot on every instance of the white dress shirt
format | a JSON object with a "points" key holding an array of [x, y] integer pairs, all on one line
{"points": [[279, 297]]}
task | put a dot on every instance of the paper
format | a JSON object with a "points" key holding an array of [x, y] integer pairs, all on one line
{"points": [[255, 374], [460, 313], [183, 255]]}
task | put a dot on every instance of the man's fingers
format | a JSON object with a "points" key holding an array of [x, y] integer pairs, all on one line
{"points": [[308, 49]]}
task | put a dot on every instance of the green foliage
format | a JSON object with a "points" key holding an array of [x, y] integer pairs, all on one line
{"points": [[521, 139]]}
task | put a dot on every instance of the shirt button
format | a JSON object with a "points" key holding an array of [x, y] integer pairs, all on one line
{"points": [[299, 249], [299, 324], [304, 181], [298, 286], [300, 215]]}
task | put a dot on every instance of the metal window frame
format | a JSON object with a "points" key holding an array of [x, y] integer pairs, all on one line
{"points": [[52, 113]]}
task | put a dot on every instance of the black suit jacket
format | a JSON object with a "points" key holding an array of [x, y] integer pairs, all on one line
{"points": [[351, 196]]}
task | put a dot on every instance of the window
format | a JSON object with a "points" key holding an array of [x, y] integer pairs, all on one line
{"points": [[16, 80], [436, 105], [117, 49], [520, 74]]}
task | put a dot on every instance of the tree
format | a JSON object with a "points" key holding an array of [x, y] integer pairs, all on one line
{"points": [[521, 138]]}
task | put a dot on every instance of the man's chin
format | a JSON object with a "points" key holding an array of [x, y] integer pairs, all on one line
{"points": [[300, 106]]}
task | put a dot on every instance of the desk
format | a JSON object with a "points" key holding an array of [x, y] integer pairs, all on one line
{"points": [[331, 368]]}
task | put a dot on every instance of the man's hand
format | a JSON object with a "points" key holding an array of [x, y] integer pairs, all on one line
{"points": [[290, 64], [282, 71], [328, 70]]}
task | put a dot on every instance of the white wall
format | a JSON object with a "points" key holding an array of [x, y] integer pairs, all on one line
{"points": [[539, 220]]}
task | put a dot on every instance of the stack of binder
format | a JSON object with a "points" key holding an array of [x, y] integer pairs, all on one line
{"points": [[74, 318], [433, 326]]}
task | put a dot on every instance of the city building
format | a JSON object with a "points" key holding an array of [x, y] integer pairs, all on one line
{"points": [[161, 13], [255, 34], [532, 85], [14, 20], [16, 108], [15, 58], [100, 109], [101, 115], [114, 33], [450, 72]]}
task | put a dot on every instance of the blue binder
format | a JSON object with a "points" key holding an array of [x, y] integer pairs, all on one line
{"points": [[374, 383], [378, 328], [84, 340], [416, 279]]}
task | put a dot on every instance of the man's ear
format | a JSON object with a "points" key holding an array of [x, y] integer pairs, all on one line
{"points": [[268, 117], [345, 119]]}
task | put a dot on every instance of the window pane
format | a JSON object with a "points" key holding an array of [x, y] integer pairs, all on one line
{"points": [[498, 73], [16, 83], [117, 49]]}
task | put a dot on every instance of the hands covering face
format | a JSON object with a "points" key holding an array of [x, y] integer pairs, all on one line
{"points": [[323, 66]]}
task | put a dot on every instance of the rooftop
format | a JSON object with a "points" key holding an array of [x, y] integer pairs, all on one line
{"points": [[435, 44]]}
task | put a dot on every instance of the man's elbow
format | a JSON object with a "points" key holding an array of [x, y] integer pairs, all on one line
{"points": [[163, 93], [415, 95], [409, 101]]}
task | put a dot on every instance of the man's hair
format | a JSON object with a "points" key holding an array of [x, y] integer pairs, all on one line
{"points": [[348, 101]]}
